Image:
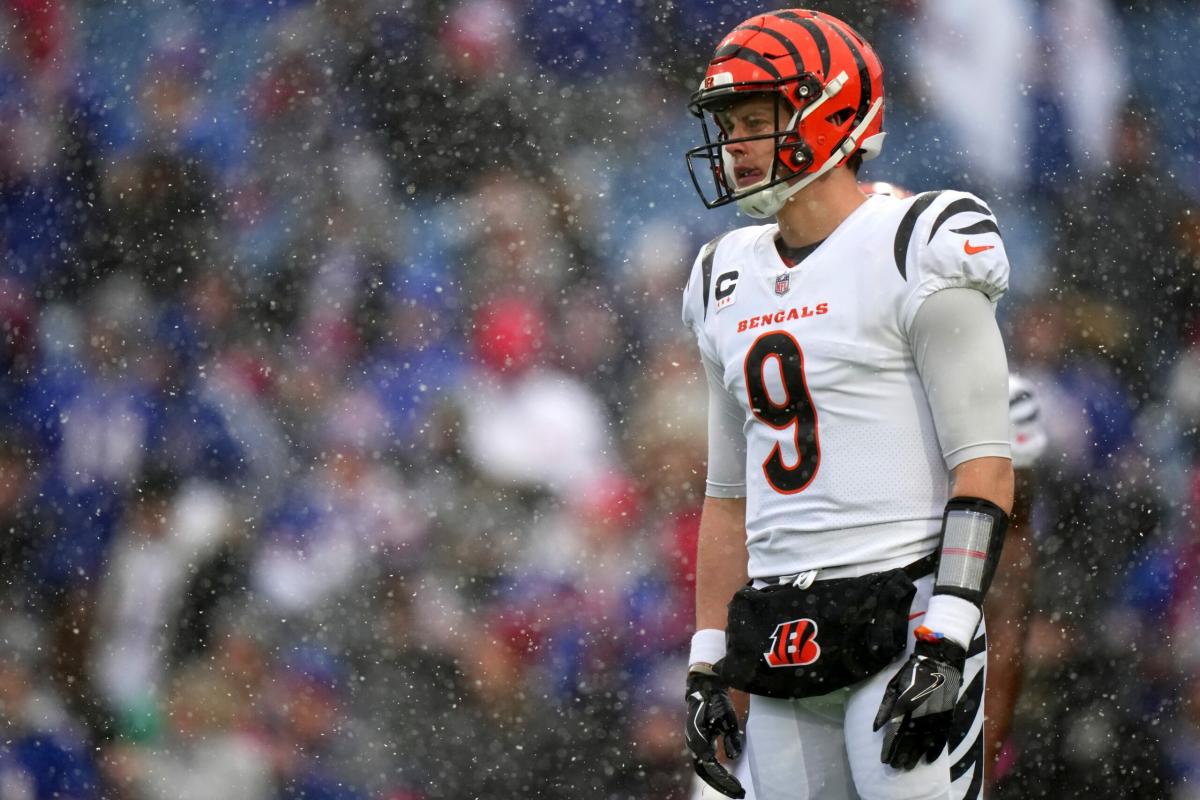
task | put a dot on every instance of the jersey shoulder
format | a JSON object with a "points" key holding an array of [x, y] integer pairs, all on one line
{"points": [[715, 255], [948, 239]]}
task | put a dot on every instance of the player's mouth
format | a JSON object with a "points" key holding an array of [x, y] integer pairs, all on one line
{"points": [[747, 176]]}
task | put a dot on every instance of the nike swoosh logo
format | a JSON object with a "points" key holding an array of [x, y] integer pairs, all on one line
{"points": [[938, 680], [971, 249]]}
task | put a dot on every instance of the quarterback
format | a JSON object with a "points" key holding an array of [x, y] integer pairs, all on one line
{"points": [[859, 464]]}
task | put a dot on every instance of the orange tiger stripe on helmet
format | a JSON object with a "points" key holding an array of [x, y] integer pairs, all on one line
{"points": [[829, 79]]}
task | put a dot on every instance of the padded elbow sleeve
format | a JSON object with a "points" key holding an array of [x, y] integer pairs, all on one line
{"points": [[972, 537]]}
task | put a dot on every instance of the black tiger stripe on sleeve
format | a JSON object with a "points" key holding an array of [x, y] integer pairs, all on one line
{"points": [[707, 254], [908, 224], [983, 226], [959, 206]]}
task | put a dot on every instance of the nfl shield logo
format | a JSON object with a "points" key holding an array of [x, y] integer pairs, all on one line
{"points": [[782, 282]]}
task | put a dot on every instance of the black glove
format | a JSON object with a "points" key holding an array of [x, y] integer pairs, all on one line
{"points": [[710, 714], [918, 704]]}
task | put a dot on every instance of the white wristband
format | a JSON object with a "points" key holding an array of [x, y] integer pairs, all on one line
{"points": [[953, 617], [708, 646]]}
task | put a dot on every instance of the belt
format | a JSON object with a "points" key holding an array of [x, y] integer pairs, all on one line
{"points": [[922, 566], [916, 570]]}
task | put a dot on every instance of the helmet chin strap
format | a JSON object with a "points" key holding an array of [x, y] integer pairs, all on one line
{"points": [[768, 202]]}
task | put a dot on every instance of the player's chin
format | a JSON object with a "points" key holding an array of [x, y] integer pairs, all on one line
{"points": [[752, 183], [750, 180]]}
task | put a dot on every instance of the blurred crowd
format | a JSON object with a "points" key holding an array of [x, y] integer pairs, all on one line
{"points": [[351, 443]]}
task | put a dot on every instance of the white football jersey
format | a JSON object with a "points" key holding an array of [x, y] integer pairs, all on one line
{"points": [[843, 466]]}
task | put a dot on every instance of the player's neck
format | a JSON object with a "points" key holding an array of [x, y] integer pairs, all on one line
{"points": [[817, 210]]}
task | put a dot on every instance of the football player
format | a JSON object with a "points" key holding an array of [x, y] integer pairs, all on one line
{"points": [[1007, 604], [858, 427]]}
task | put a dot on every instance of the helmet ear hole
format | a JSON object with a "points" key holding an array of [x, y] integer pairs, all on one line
{"points": [[840, 118]]}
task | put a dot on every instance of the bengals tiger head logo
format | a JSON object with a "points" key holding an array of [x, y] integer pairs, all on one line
{"points": [[793, 644]]}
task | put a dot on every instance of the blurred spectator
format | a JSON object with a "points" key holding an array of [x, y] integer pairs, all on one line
{"points": [[352, 510], [202, 754], [43, 754], [461, 114], [154, 226], [1052, 76], [20, 524], [313, 739], [667, 427], [169, 533], [518, 411], [418, 360], [1131, 249]]}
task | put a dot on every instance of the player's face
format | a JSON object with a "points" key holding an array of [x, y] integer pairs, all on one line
{"points": [[750, 161]]}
